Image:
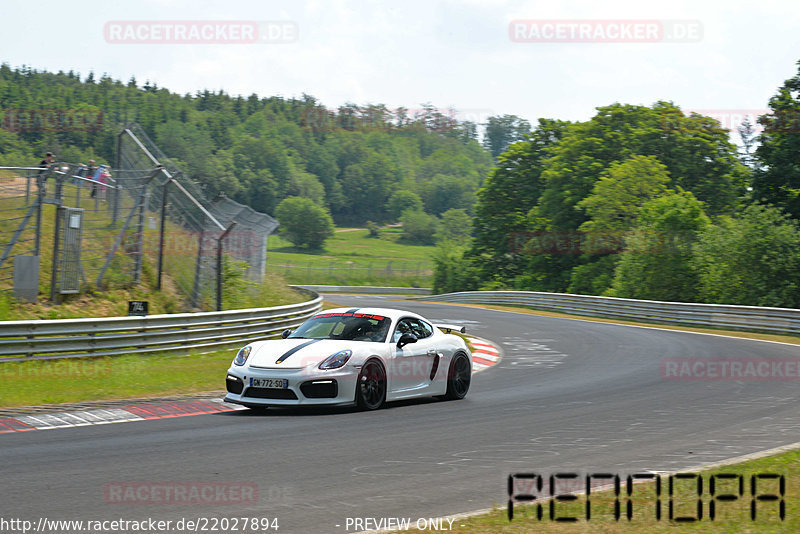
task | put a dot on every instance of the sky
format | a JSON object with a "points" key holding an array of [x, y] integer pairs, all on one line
{"points": [[721, 57]]}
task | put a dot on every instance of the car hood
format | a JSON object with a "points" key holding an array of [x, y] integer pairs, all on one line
{"points": [[298, 353]]}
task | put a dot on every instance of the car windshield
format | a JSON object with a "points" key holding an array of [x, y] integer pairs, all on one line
{"points": [[350, 326]]}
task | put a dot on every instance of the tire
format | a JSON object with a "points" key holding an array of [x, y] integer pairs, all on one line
{"points": [[459, 377], [371, 386]]}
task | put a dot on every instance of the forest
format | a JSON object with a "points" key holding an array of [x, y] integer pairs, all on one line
{"points": [[257, 150]]}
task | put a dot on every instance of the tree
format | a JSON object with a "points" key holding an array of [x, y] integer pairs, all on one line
{"points": [[367, 185], [453, 271], [694, 149], [419, 227], [777, 182], [620, 192], [455, 226], [502, 131], [753, 259], [656, 263], [304, 223], [401, 201], [511, 190], [444, 192]]}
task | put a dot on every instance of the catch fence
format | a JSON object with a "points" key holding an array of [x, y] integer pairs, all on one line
{"points": [[66, 229], [79, 232], [187, 232]]}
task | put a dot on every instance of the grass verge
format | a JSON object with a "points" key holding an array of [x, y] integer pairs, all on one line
{"points": [[87, 379], [238, 293], [731, 516]]}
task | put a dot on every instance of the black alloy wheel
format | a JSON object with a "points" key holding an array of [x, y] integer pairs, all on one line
{"points": [[371, 386]]}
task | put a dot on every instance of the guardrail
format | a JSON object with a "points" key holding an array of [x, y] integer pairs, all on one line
{"points": [[773, 320], [371, 290], [74, 338]]}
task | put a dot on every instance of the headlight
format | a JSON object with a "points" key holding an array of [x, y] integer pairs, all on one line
{"points": [[336, 360], [241, 356]]}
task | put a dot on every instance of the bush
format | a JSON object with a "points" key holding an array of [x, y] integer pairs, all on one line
{"points": [[374, 229], [656, 263], [304, 223], [419, 227], [593, 278], [453, 271], [456, 226], [401, 201], [753, 260]]}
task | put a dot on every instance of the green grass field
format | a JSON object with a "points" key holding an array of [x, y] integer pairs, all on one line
{"points": [[351, 257]]}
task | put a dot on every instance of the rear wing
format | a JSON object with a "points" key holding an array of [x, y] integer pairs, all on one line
{"points": [[448, 328]]}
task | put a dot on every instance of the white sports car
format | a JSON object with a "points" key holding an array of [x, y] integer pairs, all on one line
{"points": [[361, 356]]}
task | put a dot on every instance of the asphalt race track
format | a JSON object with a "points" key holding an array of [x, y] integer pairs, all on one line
{"points": [[568, 395]]}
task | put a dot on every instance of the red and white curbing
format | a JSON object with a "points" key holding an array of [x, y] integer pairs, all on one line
{"points": [[484, 354], [121, 414]]}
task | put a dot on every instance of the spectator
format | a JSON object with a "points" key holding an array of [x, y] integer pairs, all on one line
{"points": [[96, 178], [105, 177], [48, 160], [91, 168]]}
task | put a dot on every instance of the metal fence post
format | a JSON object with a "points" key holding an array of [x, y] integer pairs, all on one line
{"points": [[197, 270], [41, 185], [56, 252], [117, 192], [118, 159], [219, 264], [137, 269], [161, 229]]}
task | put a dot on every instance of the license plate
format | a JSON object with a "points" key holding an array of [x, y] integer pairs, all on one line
{"points": [[273, 383]]}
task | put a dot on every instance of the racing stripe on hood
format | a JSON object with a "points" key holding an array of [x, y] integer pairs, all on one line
{"points": [[295, 349], [352, 310]]}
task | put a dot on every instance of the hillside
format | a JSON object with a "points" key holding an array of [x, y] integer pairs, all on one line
{"points": [[257, 150]]}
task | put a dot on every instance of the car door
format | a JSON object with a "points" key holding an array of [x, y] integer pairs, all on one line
{"points": [[412, 364]]}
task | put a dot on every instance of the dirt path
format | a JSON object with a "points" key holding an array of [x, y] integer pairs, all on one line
{"points": [[13, 186], [395, 225]]}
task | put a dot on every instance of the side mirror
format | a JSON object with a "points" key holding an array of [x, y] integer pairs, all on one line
{"points": [[405, 339], [286, 333]]}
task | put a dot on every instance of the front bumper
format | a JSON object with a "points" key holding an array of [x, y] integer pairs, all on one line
{"points": [[305, 387]]}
